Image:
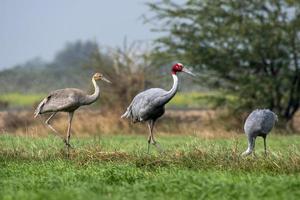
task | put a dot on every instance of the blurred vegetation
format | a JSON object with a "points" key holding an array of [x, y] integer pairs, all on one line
{"points": [[248, 48], [201, 100], [66, 70], [182, 100], [21, 100]]}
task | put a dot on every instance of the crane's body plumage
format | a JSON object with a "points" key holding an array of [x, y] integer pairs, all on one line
{"points": [[147, 105], [64, 100], [67, 100], [259, 123], [150, 104]]}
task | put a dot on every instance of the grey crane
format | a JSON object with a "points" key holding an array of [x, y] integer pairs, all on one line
{"points": [[68, 100], [259, 123], [149, 105]]}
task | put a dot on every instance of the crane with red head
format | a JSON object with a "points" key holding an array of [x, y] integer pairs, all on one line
{"points": [[149, 105]]}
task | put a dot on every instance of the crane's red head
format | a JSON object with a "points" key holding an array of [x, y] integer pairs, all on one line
{"points": [[177, 68]]}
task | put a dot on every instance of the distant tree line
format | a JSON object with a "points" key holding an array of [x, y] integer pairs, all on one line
{"points": [[37, 76]]}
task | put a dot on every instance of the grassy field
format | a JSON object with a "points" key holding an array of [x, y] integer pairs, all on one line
{"points": [[21, 100], [181, 100], [200, 100], [117, 167]]}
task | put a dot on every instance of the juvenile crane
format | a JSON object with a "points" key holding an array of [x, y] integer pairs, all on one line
{"points": [[259, 123], [149, 105], [68, 100]]}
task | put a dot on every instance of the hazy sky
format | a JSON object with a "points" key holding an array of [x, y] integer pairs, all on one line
{"points": [[39, 28]]}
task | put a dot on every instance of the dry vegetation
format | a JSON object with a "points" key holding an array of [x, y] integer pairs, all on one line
{"points": [[87, 122], [204, 123]]}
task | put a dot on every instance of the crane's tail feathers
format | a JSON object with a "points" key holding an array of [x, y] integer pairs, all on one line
{"points": [[40, 107], [35, 114], [125, 115]]}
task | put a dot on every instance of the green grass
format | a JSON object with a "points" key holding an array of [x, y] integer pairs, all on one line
{"points": [[117, 167], [21, 100], [181, 100]]}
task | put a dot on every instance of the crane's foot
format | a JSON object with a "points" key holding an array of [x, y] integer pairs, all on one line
{"points": [[148, 148], [68, 150], [67, 144], [159, 148]]}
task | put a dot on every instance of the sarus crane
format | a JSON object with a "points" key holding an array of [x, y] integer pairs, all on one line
{"points": [[149, 105], [259, 123], [68, 100]]}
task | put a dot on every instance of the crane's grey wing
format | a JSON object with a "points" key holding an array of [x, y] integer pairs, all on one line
{"points": [[268, 122], [60, 100], [143, 104]]}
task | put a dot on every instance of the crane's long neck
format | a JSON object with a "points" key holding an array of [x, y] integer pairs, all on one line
{"points": [[170, 94], [93, 97]]}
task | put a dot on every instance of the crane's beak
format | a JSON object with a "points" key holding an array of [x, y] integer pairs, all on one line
{"points": [[188, 71], [105, 79]]}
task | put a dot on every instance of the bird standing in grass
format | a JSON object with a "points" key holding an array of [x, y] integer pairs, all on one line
{"points": [[149, 105], [68, 100], [259, 123]]}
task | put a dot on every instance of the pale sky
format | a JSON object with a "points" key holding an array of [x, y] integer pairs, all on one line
{"points": [[39, 28]]}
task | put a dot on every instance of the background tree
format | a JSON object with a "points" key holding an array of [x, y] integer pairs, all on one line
{"points": [[248, 48]]}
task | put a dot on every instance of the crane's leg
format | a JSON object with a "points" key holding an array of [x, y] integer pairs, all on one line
{"points": [[265, 145], [253, 146], [47, 122], [69, 131], [152, 140], [150, 135]]}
